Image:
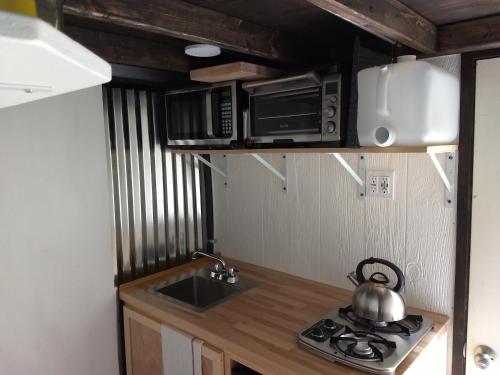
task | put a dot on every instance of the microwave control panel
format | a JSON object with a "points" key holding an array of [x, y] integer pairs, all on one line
{"points": [[330, 117], [224, 109]]}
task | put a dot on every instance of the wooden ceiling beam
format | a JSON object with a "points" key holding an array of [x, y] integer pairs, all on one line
{"points": [[178, 19], [474, 35], [389, 19], [124, 49]]}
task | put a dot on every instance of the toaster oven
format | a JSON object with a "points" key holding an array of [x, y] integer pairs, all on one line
{"points": [[304, 108]]}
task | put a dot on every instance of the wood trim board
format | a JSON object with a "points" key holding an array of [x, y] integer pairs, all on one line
{"points": [[128, 349], [215, 359], [322, 150]]}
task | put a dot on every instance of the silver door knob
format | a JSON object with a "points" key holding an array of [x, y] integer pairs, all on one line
{"points": [[484, 356]]}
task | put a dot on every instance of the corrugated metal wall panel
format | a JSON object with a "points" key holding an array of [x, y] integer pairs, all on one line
{"points": [[159, 196]]}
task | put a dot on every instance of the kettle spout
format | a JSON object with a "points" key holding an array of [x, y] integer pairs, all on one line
{"points": [[352, 277]]}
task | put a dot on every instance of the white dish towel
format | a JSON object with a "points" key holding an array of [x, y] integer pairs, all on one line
{"points": [[181, 353]]}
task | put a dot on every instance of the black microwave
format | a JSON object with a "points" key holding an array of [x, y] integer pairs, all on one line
{"points": [[206, 116], [303, 108]]}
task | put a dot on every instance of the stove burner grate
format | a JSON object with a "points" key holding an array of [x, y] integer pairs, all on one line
{"points": [[407, 326], [363, 345]]}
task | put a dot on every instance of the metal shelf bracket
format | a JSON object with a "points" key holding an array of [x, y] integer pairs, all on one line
{"points": [[358, 177], [448, 175], [281, 174], [221, 169]]}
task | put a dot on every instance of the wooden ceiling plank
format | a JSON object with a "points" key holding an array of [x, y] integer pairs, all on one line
{"points": [[123, 49], [474, 35], [452, 11], [389, 19], [178, 19]]}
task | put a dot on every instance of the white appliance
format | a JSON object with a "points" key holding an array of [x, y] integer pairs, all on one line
{"points": [[38, 61], [410, 103]]}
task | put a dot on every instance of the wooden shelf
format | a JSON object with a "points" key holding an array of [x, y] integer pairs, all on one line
{"points": [[240, 70], [341, 150]]}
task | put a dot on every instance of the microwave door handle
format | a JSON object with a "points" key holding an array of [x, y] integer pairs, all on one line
{"points": [[208, 105]]}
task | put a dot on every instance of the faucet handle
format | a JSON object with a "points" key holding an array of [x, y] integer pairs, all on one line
{"points": [[216, 272], [232, 276]]}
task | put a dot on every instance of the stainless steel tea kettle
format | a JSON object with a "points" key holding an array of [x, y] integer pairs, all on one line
{"points": [[373, 299]]}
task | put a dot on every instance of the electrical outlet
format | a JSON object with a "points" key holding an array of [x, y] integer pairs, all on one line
{"points": [[380, 184], [372, 185], [385, 187]]}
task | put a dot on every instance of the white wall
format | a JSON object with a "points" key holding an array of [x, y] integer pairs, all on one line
{"points": [[320, 230], [58, 310]]}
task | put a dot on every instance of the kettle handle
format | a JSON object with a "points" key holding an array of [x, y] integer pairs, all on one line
{"points": [[361, 278]]}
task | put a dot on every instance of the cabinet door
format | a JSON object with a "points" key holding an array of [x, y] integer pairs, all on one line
{"points": [[142, 344], [143, 349], [212, 360]]}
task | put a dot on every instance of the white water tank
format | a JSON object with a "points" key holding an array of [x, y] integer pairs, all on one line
{"points": [[410, 103]]}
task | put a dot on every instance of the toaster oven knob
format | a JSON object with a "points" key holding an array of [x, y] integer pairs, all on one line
{"points": [[333, 98], [330, 127], [330, 111]]}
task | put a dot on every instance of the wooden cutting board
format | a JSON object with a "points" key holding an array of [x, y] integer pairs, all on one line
{"points": [[238, 70]]}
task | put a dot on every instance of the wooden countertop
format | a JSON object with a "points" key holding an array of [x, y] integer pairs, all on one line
{"points": [[259, 327]]}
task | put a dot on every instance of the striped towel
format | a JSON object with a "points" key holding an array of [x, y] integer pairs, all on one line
{"points": [[181, 353]]}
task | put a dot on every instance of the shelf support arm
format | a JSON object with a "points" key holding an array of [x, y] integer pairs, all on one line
{"points": [[282, 175], [441, 171], [447, 174], [222, 171], [348, 168]]}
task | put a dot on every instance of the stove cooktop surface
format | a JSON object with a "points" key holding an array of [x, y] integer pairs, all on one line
{"points": [[343, 337]]}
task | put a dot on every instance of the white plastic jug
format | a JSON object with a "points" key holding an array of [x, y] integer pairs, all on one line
{"points": [[410, 103]]}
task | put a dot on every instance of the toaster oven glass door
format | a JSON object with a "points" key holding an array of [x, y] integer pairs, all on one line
{"points": [[286, 114]]}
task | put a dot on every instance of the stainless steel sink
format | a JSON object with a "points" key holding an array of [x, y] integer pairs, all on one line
{"points": [[197, 291]]}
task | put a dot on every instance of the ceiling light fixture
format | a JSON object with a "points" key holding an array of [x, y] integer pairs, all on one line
{"points": [[202, 50]]}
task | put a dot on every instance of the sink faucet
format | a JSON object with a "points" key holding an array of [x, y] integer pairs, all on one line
{"points": [[219, 271], [199, 253]]}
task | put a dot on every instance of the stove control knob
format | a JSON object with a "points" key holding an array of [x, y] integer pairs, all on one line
{"points": [[329, 324], [317, 333]]}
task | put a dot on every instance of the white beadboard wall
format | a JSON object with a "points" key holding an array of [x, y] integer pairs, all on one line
{"points": [[320, 230]]}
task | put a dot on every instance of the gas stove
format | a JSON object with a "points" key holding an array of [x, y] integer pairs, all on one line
{"points": [[375, 347]]}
